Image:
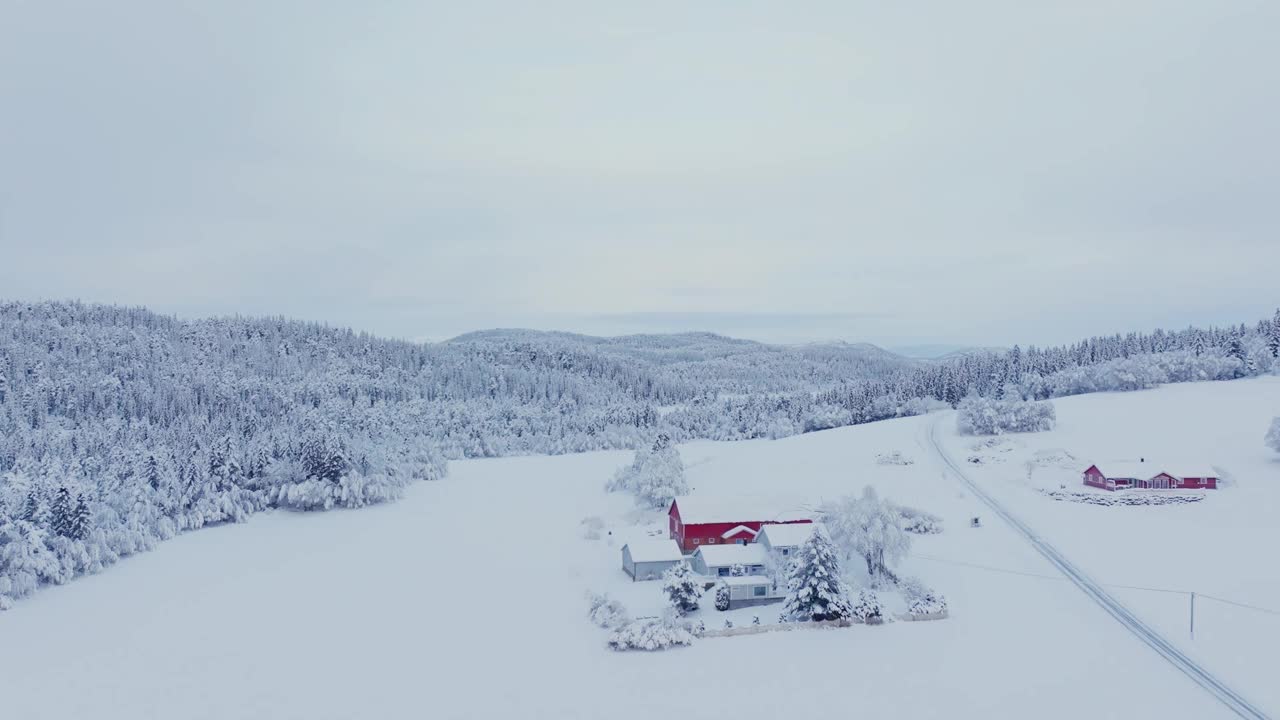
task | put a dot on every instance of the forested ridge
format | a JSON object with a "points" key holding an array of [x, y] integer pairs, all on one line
{"points": [[120, 427]]}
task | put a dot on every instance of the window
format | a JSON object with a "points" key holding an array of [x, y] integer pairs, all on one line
{"points": [[697, 540], [722, 572], [758, 591], [711, 541], [786, 552]]}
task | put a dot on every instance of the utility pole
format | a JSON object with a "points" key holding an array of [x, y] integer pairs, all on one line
{"points": [[1193, 616]]}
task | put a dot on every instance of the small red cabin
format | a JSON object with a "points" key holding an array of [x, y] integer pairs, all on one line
{"points": [[698, 521], [1149, 476]]}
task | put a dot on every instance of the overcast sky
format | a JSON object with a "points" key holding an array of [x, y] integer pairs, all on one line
{"points": [[902, 173]]}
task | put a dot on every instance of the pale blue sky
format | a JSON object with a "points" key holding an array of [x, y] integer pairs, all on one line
{"points": [[972, 173]]}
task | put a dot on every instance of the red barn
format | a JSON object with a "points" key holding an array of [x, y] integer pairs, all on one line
{"points": [[1149, 476], [698, 521]]}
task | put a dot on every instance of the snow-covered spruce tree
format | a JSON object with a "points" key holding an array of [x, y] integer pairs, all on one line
{"points": [[1273, 435], [1273, 336], [681, 587], [60, 512], [655, 476], [815, 590], [869, 528]]}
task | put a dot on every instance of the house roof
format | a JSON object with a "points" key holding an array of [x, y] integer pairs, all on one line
{"points": [[1148, 470], [705, 509], [787, 535], [654, 550], [735, 530], [723, 555]]}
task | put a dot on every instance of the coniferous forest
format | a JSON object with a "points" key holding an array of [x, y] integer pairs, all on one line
{"points": [[120, 427]]}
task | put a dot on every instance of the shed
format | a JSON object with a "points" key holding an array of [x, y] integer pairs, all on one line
{"points": [[647, 559]]}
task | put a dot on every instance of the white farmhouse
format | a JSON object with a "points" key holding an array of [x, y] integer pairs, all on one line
{"points": [[784, 540], [647, 559], [718, 560]]}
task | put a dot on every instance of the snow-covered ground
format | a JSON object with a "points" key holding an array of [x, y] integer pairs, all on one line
{"points": [[465, 600], [1223, 546]]}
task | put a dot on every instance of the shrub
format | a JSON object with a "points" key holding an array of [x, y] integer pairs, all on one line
{"points": [[650, 635], [867, 608], [606, 612]]}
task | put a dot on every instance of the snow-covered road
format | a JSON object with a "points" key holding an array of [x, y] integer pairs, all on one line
{"points": [[1157, 642]]}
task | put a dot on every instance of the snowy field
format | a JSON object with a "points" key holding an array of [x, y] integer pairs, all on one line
{"points": [[1222, 546], [465, 600]]}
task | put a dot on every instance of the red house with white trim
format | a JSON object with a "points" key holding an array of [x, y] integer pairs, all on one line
{"points": [[695, 521], [1149, 476]]}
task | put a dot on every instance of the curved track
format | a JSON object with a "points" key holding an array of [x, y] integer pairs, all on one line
{"points": [[1157, 642]]}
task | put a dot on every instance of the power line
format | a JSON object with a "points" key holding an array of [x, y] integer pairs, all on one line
{"points": [[1041, 576]]}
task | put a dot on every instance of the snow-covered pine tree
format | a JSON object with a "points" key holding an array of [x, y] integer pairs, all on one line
{"points": [[1273, 337], [815, 590], [682, 588], [1273, 435], [79, 524], [61, 511]]}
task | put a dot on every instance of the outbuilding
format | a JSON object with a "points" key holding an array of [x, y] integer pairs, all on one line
{"points": [[647, 559], [1122, 475]]}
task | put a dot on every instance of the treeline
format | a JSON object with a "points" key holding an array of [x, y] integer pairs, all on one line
{"points": [[120, 427]]}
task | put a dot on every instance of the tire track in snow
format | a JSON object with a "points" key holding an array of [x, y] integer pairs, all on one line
{"points": [[1157, 642]]}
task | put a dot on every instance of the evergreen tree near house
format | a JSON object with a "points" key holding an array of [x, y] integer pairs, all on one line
{"points": [[815, 590], [682, 588]]}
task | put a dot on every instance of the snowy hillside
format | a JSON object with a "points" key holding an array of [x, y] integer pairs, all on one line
{"points": [[465, 600]]}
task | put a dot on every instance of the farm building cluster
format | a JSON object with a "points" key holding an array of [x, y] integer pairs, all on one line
{"points": [[721, 541], [1149, 476]]}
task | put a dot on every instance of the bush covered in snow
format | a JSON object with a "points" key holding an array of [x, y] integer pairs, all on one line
{"points": [[591, 527], [1273, 435], [722, 596], [655, 476], [815, 590], [987, 416], [893, 458], [606, 612], [650, 634], [683, 590], [921, 599], [917, 521], [868, 608]]}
